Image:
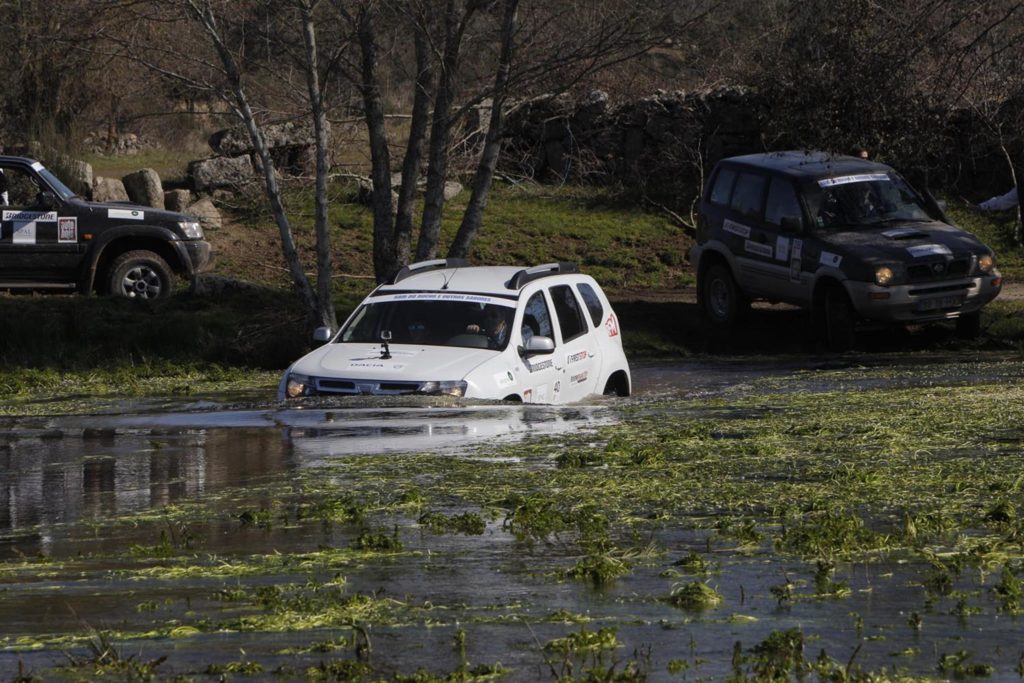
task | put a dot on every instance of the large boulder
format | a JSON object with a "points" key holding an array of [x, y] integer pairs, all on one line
{"points": [[221, 172], [206, 212], [235, 141], [144, 188], [108, 190], [177, 200], [79, 177]]}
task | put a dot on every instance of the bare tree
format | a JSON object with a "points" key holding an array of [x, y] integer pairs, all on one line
{"points": [[224, 70]]}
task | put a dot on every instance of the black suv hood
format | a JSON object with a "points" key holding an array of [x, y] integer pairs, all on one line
{"points": [[151, 215], [904, 240]]}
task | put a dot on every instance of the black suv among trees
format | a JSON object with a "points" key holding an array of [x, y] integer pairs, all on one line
{"points": [[847, 238], [52, 239]]}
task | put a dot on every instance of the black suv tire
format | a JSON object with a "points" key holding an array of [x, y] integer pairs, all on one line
{"points": [[719, 296], [140, 275], [840, 320], [968, 326]]}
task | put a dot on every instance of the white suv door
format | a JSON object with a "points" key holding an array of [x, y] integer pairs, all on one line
{"points": [[539, 378], [576, 350]]}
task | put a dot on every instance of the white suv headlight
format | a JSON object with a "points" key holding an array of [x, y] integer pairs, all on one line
{"points": [[192, 229], [298, 385], [451, 388]]}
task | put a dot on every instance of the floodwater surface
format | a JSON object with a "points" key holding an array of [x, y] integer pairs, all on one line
{"points": [[341, 539]]}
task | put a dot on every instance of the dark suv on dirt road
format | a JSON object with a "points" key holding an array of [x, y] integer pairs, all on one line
{"points": [[847, 238], [51, 239]]}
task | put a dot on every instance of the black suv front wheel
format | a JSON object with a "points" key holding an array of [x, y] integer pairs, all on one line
{"points": [[719, 296], [140, 275]]}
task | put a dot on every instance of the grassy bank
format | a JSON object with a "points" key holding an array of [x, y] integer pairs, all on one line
{"points": [[637, 255]]}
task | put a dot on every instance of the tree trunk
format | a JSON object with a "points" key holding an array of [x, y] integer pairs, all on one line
{"points": [[244, 111], [440, 132], [324, 270], [384, 262], [484, 177], [414, 147]]}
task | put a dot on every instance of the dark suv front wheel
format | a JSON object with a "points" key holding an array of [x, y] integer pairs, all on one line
{"points": [[719, 297], [140, 275]]}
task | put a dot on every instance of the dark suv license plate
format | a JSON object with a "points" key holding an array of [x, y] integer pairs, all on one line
{"points": [[939, 303]]}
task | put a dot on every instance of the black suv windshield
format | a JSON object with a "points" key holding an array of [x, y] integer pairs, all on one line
{"points": [[62, 190], [432, 322], [868, 199]]}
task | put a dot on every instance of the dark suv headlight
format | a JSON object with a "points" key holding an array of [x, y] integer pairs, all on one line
{"points": [[192, 229], [986, 262]]}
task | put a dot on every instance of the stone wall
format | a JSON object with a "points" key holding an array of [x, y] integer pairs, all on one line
{"points": [[664, 141], [659, 139]]}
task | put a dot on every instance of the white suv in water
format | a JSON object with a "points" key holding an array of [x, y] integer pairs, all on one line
{"points": [[545, 334]]}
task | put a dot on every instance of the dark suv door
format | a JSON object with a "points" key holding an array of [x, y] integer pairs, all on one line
{"points": [[38, 242]]}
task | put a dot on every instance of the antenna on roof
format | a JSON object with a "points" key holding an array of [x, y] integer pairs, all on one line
{"points": [[424, 266]]}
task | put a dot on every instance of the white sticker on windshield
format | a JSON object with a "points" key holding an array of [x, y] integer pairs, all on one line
{"points": [[830, 259], [930, 250], [736, 228], [126, 214], [36, 166], [444, 296], [862, 178]]}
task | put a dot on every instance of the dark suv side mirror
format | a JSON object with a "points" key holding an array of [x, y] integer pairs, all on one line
{"points": [[46, 200], [792, 224]]}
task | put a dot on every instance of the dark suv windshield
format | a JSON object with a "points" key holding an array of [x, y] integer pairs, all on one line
{"points": [[862, 200], [432, 322]]}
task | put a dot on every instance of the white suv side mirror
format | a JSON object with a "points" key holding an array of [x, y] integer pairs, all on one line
{"points": [[322, 334], [537, 344]]}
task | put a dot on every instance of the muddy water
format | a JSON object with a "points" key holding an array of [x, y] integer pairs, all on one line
{"points": [[85, 490]]}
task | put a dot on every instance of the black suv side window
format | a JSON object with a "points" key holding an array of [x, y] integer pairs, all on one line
{"points": [[782, 203], [748, 198], [722, 188], [570, 317]]}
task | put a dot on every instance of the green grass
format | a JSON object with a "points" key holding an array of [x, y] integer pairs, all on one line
{"points": [[996, 230]]}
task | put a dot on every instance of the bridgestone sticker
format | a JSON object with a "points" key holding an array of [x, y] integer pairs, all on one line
{"points": [[830, 259], [543, 365], [126, 214], [758, 249], [782, 248], [929, 250], [736, 228], [67, 229], [846, 179]]}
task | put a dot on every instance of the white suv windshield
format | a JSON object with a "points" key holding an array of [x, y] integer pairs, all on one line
{"points": [[863, 200], [483, 323]]}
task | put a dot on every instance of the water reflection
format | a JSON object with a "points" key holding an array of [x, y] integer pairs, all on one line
{"points": [[66, 469]]}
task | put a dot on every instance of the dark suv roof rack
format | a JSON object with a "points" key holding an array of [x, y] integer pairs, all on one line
{"points": [[535, 273], [423, 266]]}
